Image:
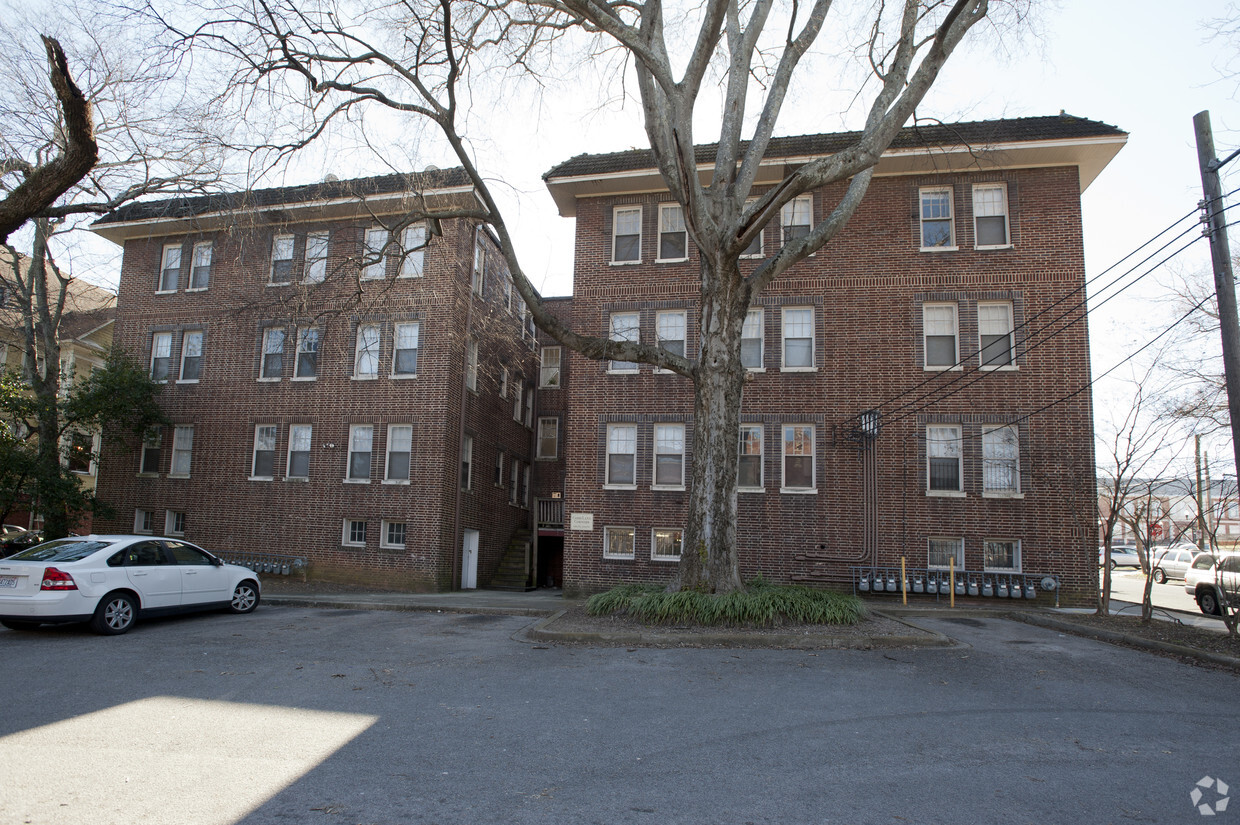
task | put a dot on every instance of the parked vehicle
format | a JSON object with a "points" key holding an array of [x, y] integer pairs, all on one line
{"points": [[1173, 562], [112, 581], [12, 543], [11, 528], [1209, 579], [1121, 556]]}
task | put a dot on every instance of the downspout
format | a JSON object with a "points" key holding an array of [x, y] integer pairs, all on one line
{"points": [[458, 534]]}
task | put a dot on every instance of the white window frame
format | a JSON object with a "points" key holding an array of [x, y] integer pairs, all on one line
{"points": [[791, 214], [503, 382], [662, 325], [499, 469], [518, 396], [666, 210], [478, 275], [397, 349], [303, 336], [548, 373], [529, 408], [467, 463], [618, 332], [761, 458], [629, 440], [374, 258], [984, 208], [986, 556], [957, 438], [655, 555], [143, 521], [174, 523], [615, 236], [545, 422], [993, 465], [525, 487], [385, 539], [347, 536], [413, 246], [760, 238], [786, 314], [929, 307], [760, 315], [271, 431], [983, 307], [784, 455], [471, 365], [161, 349], [667, 440], [202, 250], [608, 532], [187, 352], [269, 335], [355, 433], [182, 451], [283, 246], [368, 351], [317, 244], [514, 490], [398, 435], [167, 265], [957, 551], [923, 219], [299, 435], [153, 440]]}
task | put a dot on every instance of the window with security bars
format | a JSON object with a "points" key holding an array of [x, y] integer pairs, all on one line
{"points": [[942, 551], [994, 329], [1002, 555], [1000, 460], [990, 216], [665, 544], [943, 455], [673, 237], [939, 329], [621, 454], [618, 542]]}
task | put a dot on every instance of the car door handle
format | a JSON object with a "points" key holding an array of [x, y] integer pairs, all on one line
{"points": [[140, 573]]}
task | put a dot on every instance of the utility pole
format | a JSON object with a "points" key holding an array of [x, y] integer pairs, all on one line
{"points": [[1224, 285]]}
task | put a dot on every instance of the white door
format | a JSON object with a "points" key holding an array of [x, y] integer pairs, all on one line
{"points": [[469, 560], [157, 581]]}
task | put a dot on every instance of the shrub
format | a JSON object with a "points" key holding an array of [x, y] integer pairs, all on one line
{"points": [[759, 605]]}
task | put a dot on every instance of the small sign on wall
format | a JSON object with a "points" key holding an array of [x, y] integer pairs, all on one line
{"points": [[581, 521]]}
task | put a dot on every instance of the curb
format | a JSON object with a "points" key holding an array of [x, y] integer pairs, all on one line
{"points": [[346, 603], [1124, 638]]}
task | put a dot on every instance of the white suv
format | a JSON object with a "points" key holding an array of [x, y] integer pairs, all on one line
{"points": [[1209, 579]]}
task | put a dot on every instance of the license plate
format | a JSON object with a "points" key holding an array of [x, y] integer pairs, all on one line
{"points": [[8, 581]]}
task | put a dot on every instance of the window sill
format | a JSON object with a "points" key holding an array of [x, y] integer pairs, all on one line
{"points": [[798, 369], [619, 486], [363, 378], [178, 475], [996, 246], [1003, 571], [165, 292], [304, 378], [1003, 495], [999, 368], [408, 277], [799, 491], [543, 387], [262, 478], [344, 546], [671, 260], [940, 249], [402, 376], [355, 481], [187, 381], [751, 489], [947, 494], [196, 288], [391, 547], [546, 458], [666, 559], [624, 263], [755, 369], [665, 488], [623, 372], [297, 479], [397, 482], [617, 558], [268, 380], [278, 283], [953, 368], [148, 475]]}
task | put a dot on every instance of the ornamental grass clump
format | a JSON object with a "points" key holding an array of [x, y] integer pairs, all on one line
{"points": [[759, 605]]}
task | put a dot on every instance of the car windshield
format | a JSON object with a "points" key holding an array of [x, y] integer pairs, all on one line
{"points": [[61, 550]]}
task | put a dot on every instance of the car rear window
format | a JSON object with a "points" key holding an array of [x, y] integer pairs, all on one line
{"points": [[61, 550], [1204, 562]]}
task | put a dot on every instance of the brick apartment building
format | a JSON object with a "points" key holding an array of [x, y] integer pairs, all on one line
{"points": [[951, 306], [344, 385]]}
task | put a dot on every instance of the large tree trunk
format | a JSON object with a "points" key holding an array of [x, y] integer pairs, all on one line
{"points": [[709, 557]]}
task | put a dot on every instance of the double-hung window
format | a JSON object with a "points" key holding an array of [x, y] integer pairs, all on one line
{"points": [[626, 235], [621, 455], [478, 278], [529, 408], [316, 258], [990, 216], [513, 490], [200, 268], [307, 366], [549, 368], [625, 326], [798, 338], [937, 228], [191, 355], [361, 437], [943, 456], [942, 551], [272, 367], [399, 449], [1000, 461], [471, 365], [161, 356], [170, 268], [798, 458], [548, 438], [796, 217], [299, 438], [754, 250], [518, 391], [374, 258], [673, 236], [405, 356], [263, 466], [182, 451], [749, 463], [1002, 555], [751, 340], [282, 259], [994, 330], [938, 322], [151, 446], [669, 456], [467, 462], [366, 358], [665, 544], [669, 331], [414, 250]]}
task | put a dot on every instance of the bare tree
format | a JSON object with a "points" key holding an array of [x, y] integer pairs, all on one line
{"points": [[422, 58], [1198, 367]]}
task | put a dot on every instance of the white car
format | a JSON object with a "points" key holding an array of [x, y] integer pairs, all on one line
{"points": [[111, 581], [1209, 579]]}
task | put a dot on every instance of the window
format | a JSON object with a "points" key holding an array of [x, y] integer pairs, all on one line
{"points": [[990, 216], [170, 269], [669, 455], [307, 365], [467, 461], [499, 468], [938, 322], [405, 358], [798, 338], [1000, 460], [625, 326], [143, 521], [513, 492], [529, 407], [151, 452], [517, 390], [299, 438], [548, 437], [626, 235], [795, 217], [366, 362], [525, 487], [943, 455], [399, 448], [751, 340], [937, 229], [393, 535], [798, 457], [316, 258], [81, 452], [272, 366], [182, 451], [174, 523], [414, 247], [478, 278], [669, 331], [200, 271], [943, 551], [374, 262], [191, 355], [161, 356], [282, 259], [673, 237], [665, 544], [994, 330], [549, 369], [264, 464], [621, 455], [749, 464], [1002, 555], [354, 533], [360, 438], [503, 382], [754, 250], [471, 365], [618, 542]]}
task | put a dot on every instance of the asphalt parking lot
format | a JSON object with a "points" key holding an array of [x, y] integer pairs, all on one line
{"points": [[351, 717]]}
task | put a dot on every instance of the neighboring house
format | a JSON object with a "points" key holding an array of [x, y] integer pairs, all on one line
{"points": [[1168, 512], [344, 385], [952, 304]]}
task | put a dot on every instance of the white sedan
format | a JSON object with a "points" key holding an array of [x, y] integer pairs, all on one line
{"points": [[109, 581]]}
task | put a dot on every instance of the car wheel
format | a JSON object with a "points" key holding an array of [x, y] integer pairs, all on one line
{"points": [[18, 625], [1207, 600], [1159, 576], [244, 598], [115, 614], [1114, 564]]}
